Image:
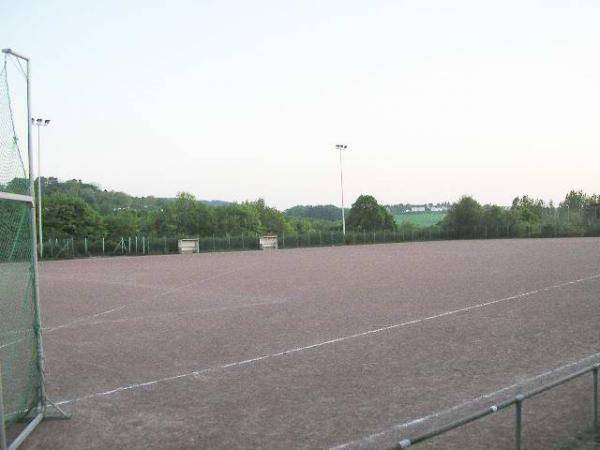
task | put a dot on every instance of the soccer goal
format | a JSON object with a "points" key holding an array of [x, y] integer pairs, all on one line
{"points": [[23, 401], [188, 245]]}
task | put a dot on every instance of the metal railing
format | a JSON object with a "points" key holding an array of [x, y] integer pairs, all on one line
{"points": [[517, 401]]}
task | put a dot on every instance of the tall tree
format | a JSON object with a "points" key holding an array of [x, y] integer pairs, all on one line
{"points": [[464, 218], [70, 216], [367, 214]]}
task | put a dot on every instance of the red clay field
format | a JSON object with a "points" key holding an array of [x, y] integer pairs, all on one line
{"points": [[344, 347]]}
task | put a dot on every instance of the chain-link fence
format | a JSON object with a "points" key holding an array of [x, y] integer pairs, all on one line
{"points": [[154, 245]]}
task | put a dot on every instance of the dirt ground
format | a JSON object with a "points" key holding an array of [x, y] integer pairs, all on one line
{"points": [[347, 347]]}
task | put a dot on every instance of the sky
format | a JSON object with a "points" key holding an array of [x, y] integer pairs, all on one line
{"points": [[237, 100]]}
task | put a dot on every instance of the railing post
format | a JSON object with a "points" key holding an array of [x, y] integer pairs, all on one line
{"points": [[2, 429], [595, 373], [519, 416]]}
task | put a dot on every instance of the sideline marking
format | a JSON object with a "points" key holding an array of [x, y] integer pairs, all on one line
{"points": [[196, 373], [178, 313], [82, 319], [373, 437]]}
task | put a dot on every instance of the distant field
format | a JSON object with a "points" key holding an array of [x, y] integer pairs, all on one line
{"points": [[422, 219]]}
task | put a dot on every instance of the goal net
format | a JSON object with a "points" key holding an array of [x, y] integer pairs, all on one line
{"points": [[21, 372]]}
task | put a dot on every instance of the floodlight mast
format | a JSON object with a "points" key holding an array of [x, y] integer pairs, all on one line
{"points": [[40, 123], [341, 147]]}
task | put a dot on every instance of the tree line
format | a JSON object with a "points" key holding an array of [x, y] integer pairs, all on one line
{"points": [[74, 209], [577, 215]]}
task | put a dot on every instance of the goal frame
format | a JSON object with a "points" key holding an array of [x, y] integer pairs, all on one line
{"points": [[42, 401]]}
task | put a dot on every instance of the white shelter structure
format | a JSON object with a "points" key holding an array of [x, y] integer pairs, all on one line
{"points": [[188, 245], [268, 242]]}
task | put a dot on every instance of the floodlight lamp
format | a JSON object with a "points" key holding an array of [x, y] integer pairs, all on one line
{"points": [[47, 121], [39, 121]]}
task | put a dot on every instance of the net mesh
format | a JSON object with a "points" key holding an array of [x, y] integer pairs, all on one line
{"points": [[20, 371]]}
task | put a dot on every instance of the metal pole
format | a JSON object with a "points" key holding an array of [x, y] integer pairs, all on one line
{"points": [[40, 197], [519, 417], [2, 429], [102, 246], [596, 418], [342, 186], [35, 275]]}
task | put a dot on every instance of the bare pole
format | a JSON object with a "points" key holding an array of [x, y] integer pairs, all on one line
{"points": [[2, 429], [40, 196], [40, 123], [341, 147]]}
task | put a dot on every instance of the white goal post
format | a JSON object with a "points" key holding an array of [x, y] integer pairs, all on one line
{"points": [[188, 246], [268, 242]]}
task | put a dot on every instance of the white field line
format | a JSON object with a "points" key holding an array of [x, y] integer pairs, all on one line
{"points": [[135, 284], [82, 319], [153, 286], [371, 439], [196, 373], [172, 314], [8, 344]]}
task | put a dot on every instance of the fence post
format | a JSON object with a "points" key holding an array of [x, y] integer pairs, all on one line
{"points": [[129, 250], [73, 247], [244, 244], [229, 241], [519, 417], [102, 246], [143, 245], [136, 251], [2, 429], [214, 244], [85, 246], [595, 373]]}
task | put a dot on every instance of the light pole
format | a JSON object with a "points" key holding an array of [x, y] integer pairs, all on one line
{"points": [[341, 147], [40, 123]]}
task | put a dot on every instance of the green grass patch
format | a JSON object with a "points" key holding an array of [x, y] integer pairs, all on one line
{"points": [[421, 219]]}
